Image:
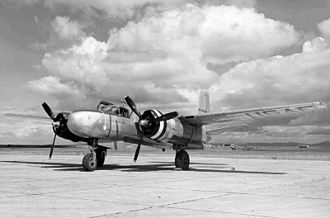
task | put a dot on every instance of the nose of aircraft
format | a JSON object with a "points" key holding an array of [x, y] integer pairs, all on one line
{"points": [[89, 124], [77, 124]]}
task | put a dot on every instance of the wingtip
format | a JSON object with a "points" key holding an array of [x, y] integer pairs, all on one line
{"points": [[320, 105]]}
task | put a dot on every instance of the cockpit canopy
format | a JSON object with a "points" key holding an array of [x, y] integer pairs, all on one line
{"points": [[110, 108]]}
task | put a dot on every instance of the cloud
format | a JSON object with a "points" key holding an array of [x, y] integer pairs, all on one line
{"points": [[16, 130], [324, 27], [164, 56], [242, 3], [315, 45], [220, 34], [276, 80], [115, 9], [52, 85], [319, 131], [66, 28]]}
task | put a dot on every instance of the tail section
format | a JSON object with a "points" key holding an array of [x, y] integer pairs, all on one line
{"points": [[203, 103]]}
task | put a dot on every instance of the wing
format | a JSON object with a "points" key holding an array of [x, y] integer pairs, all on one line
{"points": [[229, 128], [146, 141], [254, 113], [27, 116]]}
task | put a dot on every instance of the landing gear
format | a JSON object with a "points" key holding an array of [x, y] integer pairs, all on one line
{"points": [[182, 160], [100, 156], [88, 163], [96, 158]]}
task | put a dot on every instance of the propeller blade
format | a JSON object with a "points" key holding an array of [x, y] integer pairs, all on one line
{"points": [[132, 105], [48, 111], [137, 151], [52, 148], [167, 116]]}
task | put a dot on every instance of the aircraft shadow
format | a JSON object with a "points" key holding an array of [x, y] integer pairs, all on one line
{"points": [[160, 166], [191, 163]]}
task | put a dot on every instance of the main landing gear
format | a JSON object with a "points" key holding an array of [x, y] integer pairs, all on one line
{"points": [[182, 160], [96, 158]]}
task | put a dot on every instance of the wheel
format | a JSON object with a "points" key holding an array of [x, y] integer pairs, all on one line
{"points": [[100, 156], [88, 163], [182, 160]]}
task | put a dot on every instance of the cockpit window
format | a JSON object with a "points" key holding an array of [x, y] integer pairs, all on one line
{"points": [[109, 108], [104, 105]]}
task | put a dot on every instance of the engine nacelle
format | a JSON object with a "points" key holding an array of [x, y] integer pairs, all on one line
{"points": [[173, 131], [184, 134]]}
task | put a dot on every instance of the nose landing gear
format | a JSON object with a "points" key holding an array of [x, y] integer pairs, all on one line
{"points": [[96, 158]]}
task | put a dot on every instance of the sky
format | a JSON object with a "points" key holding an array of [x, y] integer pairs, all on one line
{"points": [[253, 53]]}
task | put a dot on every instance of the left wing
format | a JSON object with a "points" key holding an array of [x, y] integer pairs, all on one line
{"points": [[26, 116], [254, 113]]}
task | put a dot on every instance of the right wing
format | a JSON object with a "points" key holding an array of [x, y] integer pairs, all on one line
{"points": [[240, 116]]}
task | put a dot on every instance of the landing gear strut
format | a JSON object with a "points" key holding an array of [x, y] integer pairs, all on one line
{"points": [[96, 158], [101, 152], [182, 160]]}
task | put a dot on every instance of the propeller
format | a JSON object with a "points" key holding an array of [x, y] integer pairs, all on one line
{"points": [[167, 116], [145, 123], [52, 116], [48, 111], [132, 105], [52, 147], [137, 151]]}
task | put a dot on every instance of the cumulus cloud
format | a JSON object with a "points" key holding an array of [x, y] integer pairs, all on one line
{"points": [[219, 34], [52, 85], [315, 45], [66, 28], [164, 55], [296, 78], [324, 28]]}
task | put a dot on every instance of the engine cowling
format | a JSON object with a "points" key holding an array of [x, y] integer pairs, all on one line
{"points": [[153, 129], [60, 128], [172, 131]]}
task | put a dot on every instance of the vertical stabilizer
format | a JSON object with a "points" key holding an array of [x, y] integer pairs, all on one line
{"points": [[203, 103]]}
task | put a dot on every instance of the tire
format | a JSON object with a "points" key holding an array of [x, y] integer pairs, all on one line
{"points": [[182, 160], [87, 162]]}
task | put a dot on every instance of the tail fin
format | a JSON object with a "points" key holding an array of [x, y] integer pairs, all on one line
{"points": [[203, 103]]}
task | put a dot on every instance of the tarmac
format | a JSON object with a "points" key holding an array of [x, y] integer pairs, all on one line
{"points": [[33, 186]]}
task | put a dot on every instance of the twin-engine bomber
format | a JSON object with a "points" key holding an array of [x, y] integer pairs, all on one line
{"points": [[112, 123]]}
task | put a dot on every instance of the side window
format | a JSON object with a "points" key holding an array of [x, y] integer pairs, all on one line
{"points": [[124, 112], [115, 110]]}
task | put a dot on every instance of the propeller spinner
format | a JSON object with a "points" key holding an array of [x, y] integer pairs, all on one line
{"points": [[145, 123]]}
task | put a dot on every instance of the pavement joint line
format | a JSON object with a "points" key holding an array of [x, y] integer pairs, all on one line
{"points": [[286, 196], [99, 200], [22, 195], [122, 212], [197, 199], [220, 211]]}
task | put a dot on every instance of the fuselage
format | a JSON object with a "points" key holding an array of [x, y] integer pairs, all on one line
{"points": [[110, 127]]}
